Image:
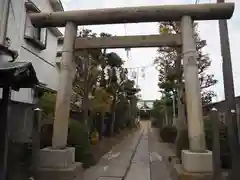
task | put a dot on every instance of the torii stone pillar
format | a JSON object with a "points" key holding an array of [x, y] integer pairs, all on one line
{"points": [[67, 72], [197, 159], [58, 161]]}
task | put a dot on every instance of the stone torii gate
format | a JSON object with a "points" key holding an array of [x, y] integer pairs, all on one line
{"points": [[197, 159]]}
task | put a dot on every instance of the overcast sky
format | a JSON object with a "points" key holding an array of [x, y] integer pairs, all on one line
{"points": [[145, 56]]}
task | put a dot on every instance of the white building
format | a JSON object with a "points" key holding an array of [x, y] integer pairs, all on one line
{"points": [[38, 46]]}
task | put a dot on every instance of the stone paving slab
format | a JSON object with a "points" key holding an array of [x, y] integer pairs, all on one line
{"points": [[142, 152], [139, 171], [115, 170], [109, 178], [115, 163], [139, 157], [159, 171], [160, 168]]}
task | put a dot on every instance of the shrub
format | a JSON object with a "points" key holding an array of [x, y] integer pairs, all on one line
{"points": [[182, 142], [154, 123], [84, 155], [168, 134], [224, 144], [157, 123], [46, 135], [131, 123], [77, 133], [47, 104], [78, 138]]}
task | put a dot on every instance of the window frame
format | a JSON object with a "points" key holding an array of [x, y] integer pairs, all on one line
{"points": [[36, 42]]}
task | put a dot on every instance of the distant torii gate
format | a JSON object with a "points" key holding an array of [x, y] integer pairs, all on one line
{"points": [[186, 14], [146, 101], [144, 108]]}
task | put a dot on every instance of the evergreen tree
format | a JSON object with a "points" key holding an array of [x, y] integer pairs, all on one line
{"points": [[166, 65]]}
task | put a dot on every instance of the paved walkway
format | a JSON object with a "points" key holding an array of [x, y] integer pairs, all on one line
{"points": [[138, 157]]}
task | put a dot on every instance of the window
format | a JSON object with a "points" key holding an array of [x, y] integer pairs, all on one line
{"points": [[36, 36]]}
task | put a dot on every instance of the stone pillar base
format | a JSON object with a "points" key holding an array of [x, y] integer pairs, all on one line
{"points": [[74, 172], [59, 164], [183, 175], [193, 162]]}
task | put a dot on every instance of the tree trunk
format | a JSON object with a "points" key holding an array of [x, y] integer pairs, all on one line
{"points": [[101, 126], [85, 102], [181, 121], [85, 108], [181, 118], [113, 115], [166, 115], [130, 113]]}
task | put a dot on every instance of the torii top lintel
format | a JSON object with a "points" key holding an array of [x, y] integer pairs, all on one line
{"points": [[134, 14]]}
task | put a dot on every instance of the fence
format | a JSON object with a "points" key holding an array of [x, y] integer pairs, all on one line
{"points": [[224, 138], [23, 157]]}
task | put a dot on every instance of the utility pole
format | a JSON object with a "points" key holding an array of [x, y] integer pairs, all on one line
{"points": [[229, 96]]}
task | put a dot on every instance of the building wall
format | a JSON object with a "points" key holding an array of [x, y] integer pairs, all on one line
{"points": [[20, 122], [43, 61], [21, 110], [220, 106], [43, 5]]}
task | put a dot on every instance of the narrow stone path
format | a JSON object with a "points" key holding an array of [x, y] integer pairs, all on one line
{"points": [[139, 165], [137, 157], [160, 168]]}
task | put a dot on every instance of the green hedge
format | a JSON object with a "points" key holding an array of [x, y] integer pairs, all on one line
{"points": [[182, 142], [154, 123], [157, 123], [224, 144], [168, 134], [78, 138]]}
